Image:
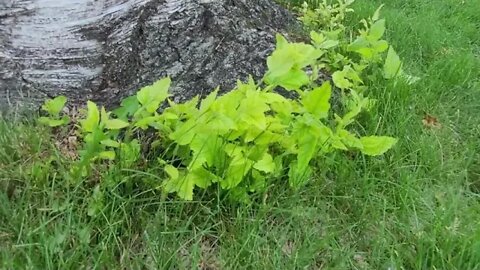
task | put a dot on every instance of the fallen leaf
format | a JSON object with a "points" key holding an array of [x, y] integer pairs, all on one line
{"points": [[430, 121]]}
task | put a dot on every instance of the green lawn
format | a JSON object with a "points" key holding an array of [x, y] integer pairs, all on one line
{"points": [[416, 207]]}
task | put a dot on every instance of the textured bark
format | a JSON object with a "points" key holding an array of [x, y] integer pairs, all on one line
{"points": [[104, 50]]}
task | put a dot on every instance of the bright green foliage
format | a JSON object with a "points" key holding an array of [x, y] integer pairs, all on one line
{"points": [[127, 108], [325, 15], [90, 123], [417, 207], [347, 78], [369, 44], [54, 108], [151, 96], [393, 68], [393, 65], [252, 135], [350, 60], [375, 146], [101, 140], [317, 101], [286, 64]]}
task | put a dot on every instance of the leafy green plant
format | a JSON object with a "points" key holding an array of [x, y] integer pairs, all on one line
{"points": [[251, 136], [53, 108], [101, 133], [325, 15], [369, 43], [368, 46]]}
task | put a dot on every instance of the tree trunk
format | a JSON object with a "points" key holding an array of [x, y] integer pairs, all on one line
{"points": [[104, 50]]}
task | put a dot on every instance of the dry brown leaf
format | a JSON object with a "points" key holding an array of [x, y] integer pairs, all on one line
{"points": [[430, 121]]}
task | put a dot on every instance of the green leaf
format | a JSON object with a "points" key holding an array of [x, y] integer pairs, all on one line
{"points": [[256, 152], [307, 147], [271, 98], [265, 164], [317, 38], [208, 101], [279, 65], [206, 148], [171, 171], [334, 34], [110, 155], [252, 110], [239, 167], [54, 122], [297, 177], [359, 43], [268, 138], [45, 121], [169, 116], [286, 63], [320, 41], [349, 139], [114, 124], [329, 44], [340, 80], [65, 120], [127, 108], [84, 235], [151, 96], [183, 186], [104, 116], [292, 80], [380, 46], [337, 143], [145, 122], [366, 53], [306, 132], [317, 101], [93, 118], [376, 15], [259, 181], [377, 145], [203, 178], [377, 30], [226, 104], [219, 123], [110, 143], [184, 133], [393, 64], [239, 194], [281, 41], [54, 106]]}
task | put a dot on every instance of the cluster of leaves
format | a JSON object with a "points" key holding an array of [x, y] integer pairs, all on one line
{"points": [[352, 59], [54, 109], [324, 15], [249, 136]]}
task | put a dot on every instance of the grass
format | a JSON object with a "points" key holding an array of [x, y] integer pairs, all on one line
{"points": [[417, 207]]}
